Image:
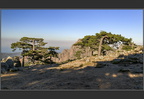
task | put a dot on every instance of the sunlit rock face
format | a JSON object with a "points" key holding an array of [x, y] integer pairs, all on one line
{"points": [[70, 54]]}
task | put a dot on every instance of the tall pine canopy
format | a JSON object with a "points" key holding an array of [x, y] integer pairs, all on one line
{"points": [[101, 41]]}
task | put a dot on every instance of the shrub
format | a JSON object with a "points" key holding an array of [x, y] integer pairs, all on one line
{"points": [[81, 65], [127, 47], [78, 54]]}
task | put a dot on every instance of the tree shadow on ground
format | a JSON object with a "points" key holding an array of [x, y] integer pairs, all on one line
{"points": [[122, 73]]}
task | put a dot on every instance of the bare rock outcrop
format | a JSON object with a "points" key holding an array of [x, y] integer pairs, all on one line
{"points": [[10, 64], [77, 52], [73, 53], [4, 67], [17, 62]]}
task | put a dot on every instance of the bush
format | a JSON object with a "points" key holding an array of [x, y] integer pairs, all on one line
{"points": [[78, 54], [81, 65], [127, 47]]}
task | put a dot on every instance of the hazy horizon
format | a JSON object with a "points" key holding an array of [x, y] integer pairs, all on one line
{"points": [[62, 28], [62, 44]]}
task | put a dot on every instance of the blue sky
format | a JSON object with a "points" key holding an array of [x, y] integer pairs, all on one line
{"points": [[63, 27]]}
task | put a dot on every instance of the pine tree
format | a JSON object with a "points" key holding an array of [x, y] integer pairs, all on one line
{"points": [[100, 41], [51, 53], [31, 47]]}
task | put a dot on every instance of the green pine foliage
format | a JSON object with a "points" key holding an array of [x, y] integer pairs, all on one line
{"points": [[127, 47], [93, 41], [106, 47], [34, 49]]}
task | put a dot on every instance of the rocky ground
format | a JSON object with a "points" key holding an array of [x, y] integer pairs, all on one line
{"points": [[122, 72]]}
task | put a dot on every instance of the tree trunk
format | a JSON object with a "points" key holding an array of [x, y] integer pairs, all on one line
{"points": [[33, 50], [33, 61], [33, 45], [100, 45], [22, 61]]}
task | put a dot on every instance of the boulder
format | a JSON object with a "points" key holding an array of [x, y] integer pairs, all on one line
{"points": [[17, 62], [87, 60], [3, 71], [95, 52], [138, 48], [110, 53], [13, 69], [10, 62], [3, 60], [100, 57], [4, 66]]}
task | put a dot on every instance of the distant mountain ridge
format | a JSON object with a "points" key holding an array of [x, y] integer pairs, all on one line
{"points": [[5, 55]]}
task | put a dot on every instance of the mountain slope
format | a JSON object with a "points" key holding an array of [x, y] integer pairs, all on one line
{"points": [[104, 72]]}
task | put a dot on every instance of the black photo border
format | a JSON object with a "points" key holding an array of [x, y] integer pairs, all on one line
{"points": [[71, 4]]}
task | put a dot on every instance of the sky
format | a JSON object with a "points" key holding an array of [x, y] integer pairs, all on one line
{"points": [[63, 27]]}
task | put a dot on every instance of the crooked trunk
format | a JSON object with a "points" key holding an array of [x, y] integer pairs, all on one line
{"points": [[100, 45]]}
